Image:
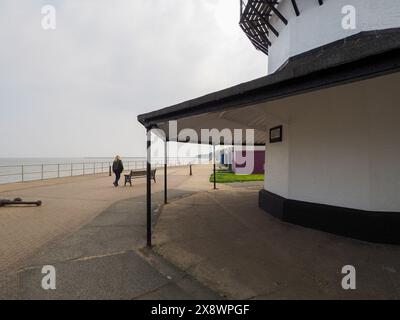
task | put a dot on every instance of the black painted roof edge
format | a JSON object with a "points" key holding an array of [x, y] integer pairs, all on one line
{"points": [[361, 56]]}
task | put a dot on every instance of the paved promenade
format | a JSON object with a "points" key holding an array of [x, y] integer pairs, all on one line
{"points": [[94, 234], [224, 240], [209, 244]]}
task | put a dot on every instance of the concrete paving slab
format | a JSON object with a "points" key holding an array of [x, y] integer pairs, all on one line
{"points": [[103, 259], [225, 241], [181, 286], [119, 228], [68, 203], [117, 276]]}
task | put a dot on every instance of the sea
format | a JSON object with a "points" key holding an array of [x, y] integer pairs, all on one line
{"points": [[29, 169]]}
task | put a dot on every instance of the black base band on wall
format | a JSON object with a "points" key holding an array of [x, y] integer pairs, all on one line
{"points": [[379, 227]]}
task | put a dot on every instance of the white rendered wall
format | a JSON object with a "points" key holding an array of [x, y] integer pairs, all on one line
{"points": [[341, 146], [319, 25]]}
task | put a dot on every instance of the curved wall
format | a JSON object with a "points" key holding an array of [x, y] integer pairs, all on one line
{"points": [[340, 146], [338, 166], [319, 25]]}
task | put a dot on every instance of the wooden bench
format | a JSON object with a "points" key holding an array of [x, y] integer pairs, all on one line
{"points": [[139, 174]]}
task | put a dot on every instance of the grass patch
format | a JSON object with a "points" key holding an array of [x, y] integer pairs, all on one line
{"points": [[229, 177]]}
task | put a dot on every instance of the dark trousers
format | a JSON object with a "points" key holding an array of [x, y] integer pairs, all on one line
{"points": [[117, 177]]}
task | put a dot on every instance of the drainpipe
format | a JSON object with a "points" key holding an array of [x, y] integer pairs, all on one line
{"points": [[215, 173], [165, 171], [148, 189]]}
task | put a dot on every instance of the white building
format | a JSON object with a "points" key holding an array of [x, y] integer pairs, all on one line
{"points": [[328, 113]]}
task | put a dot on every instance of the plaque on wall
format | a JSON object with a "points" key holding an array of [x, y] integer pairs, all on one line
{"points": [[275, 134]]}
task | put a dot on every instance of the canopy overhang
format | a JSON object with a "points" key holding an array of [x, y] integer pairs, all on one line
{"points": [[362, 56]]}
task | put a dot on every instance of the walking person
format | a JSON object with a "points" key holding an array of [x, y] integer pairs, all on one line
{"points": [[117, 167]]}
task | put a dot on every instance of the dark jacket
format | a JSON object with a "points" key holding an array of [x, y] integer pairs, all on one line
{"points": [[117, 167]]}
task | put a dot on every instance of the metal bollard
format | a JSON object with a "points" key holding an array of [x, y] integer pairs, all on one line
{"points": [[190, 169], [109, 171]]}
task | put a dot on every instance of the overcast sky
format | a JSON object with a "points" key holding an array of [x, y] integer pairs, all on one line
{"points": [[76, 91]]}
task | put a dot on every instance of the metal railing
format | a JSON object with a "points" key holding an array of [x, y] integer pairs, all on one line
{"points": [[32, 172]]}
